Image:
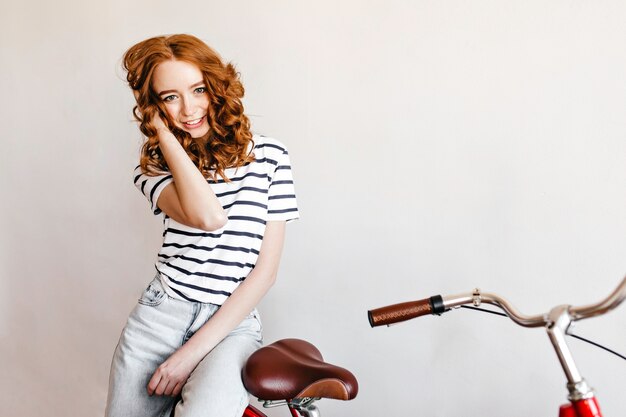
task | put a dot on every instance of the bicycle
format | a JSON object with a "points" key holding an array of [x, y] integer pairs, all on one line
{"points": [[293, 373], [582, 400]]}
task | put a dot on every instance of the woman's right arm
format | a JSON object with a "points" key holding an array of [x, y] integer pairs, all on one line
{"points": [[189, 199]]}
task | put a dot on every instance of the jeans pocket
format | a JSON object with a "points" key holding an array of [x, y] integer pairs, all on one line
{"points": [[154, 294], [257, 317], [254, 325]]}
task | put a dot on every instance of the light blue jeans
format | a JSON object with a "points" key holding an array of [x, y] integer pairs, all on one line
{"points": [[157, 327]]}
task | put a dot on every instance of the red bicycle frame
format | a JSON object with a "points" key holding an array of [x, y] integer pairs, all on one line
{"points": [[252, 411], [582, 408]]}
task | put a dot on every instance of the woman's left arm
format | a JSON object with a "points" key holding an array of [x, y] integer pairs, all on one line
{"points": [[172, 374]]}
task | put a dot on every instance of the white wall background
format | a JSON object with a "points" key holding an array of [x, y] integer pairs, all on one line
{"points": [[437, 146]]}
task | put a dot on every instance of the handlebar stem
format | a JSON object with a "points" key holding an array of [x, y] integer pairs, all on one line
{"points": [[559, 320]]}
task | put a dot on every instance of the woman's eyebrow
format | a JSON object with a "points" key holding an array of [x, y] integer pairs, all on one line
{"points": [[199, 83]]}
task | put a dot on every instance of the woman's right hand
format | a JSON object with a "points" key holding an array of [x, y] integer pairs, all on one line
{"points": [[158, 123], [162, 131]]}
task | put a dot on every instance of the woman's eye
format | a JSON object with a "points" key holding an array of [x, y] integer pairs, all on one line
{"points": [[169, 98], [201, 90]]}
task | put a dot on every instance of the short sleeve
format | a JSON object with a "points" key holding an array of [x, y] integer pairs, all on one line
{"points": [[151, 186], [282, 204]]}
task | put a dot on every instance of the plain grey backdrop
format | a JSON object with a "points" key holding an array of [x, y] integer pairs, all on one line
{"points": [[436, 145]]}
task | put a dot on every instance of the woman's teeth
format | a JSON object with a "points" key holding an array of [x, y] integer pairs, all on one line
{"points": [[192, 123]]}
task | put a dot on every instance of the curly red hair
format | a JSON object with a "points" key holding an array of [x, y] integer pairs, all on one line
{"points": [[229, 135]]}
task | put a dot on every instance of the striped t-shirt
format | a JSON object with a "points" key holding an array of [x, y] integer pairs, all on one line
{"points": [[208, 266]]}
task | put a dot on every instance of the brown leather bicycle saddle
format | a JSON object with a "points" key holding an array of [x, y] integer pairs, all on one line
{"points": [[294, 368]]}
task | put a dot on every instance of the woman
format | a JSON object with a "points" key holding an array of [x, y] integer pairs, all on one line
{"points": [[226, 196]]}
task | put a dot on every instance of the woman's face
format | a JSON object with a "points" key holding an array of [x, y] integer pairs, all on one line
{"points": [[182, 89]]}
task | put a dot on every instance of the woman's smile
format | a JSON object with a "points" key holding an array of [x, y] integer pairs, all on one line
{"points": [[194, 124]]}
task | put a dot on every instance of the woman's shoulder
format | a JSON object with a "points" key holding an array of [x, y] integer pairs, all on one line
{"points": [[268, 145], [138, 171]]}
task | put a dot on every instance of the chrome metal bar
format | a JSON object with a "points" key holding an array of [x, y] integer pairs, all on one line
{"points": [[609, 303], [576, 313], [453, 301], [305, 406], [514, 314], [559, 322], [310, 411], [476, 298], [274, 403]]}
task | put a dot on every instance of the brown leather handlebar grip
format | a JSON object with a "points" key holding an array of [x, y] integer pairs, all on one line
{"points": [[399, 312]]}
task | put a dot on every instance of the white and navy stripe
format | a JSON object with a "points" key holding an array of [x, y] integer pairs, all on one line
{"points": [[208, 266]]}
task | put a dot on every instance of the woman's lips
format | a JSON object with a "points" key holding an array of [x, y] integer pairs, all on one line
{"points": [[192, 124]]}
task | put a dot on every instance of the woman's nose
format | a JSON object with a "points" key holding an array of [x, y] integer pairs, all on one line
{"points": [[189, 106]]}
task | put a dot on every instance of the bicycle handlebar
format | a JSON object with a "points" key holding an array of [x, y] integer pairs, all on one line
{"points": [[556, 322], [437, 305]]}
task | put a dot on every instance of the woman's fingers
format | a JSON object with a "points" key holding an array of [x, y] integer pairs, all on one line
{"points": [[159, 382], [157, 121], [177, 389], [169, 388], [154, 383], [162, 384], [171, 375]]}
